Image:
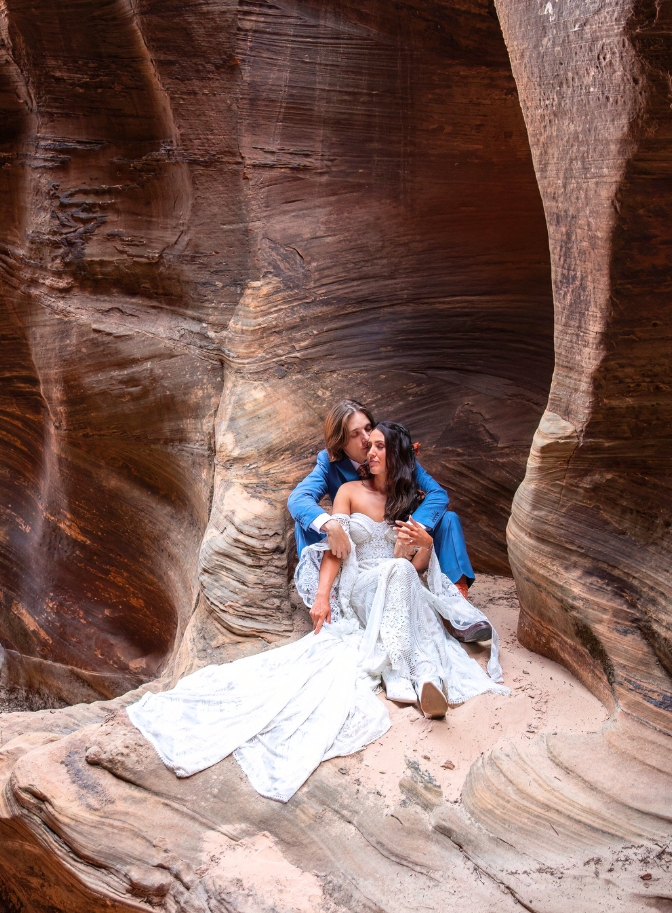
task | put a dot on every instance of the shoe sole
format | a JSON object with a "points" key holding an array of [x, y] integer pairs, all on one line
{"points": [[485, 634], [432, 702], [409, 698], [401, 700]]}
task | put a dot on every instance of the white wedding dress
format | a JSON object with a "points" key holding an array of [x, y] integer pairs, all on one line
{"points": [[284, 711]]}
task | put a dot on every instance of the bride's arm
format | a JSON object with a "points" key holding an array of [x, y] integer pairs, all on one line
{"points": [[421, 558], [321, 610]]}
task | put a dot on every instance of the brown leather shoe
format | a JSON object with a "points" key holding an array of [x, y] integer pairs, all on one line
{"points": [[475, 633]]}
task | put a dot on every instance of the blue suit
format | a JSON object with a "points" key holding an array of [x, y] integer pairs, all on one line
{"points": [[442, 524]]}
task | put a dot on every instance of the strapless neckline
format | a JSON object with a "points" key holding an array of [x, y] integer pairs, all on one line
{"points": [[358, 513]]}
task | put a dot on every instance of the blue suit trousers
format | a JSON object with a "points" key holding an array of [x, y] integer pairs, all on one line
{"points": [[451, 549]]}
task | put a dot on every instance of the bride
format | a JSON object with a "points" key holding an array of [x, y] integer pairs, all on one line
{"points": [[284, 711]]}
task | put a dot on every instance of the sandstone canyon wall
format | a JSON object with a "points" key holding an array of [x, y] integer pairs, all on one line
{"points": [[589, 536], [216, 218], [246, 209]]}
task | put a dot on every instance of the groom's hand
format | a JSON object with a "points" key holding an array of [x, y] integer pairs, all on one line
{"points": [[339, 544]]}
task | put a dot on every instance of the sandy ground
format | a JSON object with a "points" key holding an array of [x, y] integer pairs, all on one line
{"points": [[544, 698]]}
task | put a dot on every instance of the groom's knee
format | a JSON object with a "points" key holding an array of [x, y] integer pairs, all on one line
{"points": [[448, 526], [451, 549]]}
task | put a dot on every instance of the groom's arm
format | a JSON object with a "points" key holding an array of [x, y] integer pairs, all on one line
{"points": [[305, 510], [436, 499], [304, 501]]}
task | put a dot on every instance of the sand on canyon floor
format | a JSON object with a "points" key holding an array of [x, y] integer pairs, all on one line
{"points": [[544, 697]]}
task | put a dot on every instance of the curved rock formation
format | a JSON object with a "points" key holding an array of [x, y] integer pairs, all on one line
{"points": [[589, 534], [216, 219], [108, 401], [398, 254], [262, 206]]}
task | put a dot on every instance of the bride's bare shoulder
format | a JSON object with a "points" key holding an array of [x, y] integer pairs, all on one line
{"points": [[344, 497]]}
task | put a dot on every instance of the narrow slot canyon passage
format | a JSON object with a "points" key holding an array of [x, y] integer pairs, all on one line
{"points": [[382, 223], [218, 218]]}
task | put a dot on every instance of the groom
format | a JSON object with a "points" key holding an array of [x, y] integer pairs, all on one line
{"points": [[347, 429]]}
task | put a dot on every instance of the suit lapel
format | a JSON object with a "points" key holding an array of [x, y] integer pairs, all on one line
{"points": [[346, 470]]}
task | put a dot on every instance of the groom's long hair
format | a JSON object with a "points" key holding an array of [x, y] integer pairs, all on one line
{"points": [[403, 494], [335, 428]]}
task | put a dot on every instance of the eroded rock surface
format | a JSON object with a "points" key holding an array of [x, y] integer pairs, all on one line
{"points": [[109, 386], [216, 219], [376, 831], [589, 532], [253, 208], [589, 535]]}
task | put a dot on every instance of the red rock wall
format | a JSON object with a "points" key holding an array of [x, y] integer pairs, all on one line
{"points": [[398, 253], [590, 533], [391, 193], [353, 186], [111, 380]]}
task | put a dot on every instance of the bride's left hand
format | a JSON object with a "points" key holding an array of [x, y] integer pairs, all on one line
{"points": [[413, 535], [403, 549]]}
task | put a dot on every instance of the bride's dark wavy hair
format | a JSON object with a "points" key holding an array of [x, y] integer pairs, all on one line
{"points": [[403, 494]]}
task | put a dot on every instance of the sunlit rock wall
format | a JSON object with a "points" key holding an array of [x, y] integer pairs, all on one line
{"points": [[590, 537], [217, 218]]}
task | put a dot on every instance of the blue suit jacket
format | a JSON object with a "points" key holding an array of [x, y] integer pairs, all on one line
{"points": [[327, 478]]}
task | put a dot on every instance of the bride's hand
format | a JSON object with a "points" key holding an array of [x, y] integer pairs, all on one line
{"points": [[413, 535], [320, 612], [402, 549]]}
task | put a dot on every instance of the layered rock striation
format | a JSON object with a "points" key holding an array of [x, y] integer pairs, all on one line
{"points": [[589, 535], [589, 532], [217, 218]]}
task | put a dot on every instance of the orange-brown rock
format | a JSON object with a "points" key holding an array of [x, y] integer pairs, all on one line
{"points": [[216, 219], [589, 533], [589, 536], [256, 208]]}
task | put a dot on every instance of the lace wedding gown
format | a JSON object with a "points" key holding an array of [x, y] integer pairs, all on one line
{"points": [[284, 711]]}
